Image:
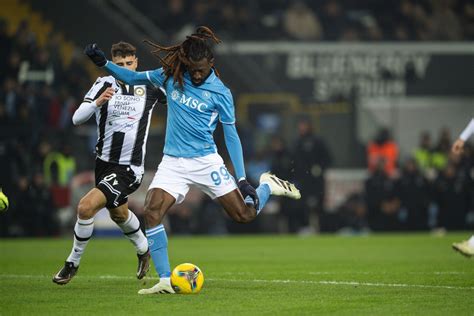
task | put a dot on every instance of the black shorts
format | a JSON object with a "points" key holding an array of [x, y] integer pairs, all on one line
{"points": [[116, 182]]}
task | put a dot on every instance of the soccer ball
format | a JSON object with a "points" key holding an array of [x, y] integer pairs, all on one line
{"points": [[3, 202], [187, 278]]}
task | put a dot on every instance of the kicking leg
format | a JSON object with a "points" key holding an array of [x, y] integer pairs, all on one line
{"points": [[236, 208], [130, 226], [243, 211], [89, 205]]}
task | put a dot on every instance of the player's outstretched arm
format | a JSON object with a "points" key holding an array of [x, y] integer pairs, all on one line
{"points": [[130, 77], [127, 76], [234, 147]]}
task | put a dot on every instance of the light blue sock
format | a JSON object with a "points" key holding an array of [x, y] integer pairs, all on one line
{"points": [[263, 192], [158, 244]]}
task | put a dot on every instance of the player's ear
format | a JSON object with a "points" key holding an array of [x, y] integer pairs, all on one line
{"points": [[136, 61], [211, 62]]}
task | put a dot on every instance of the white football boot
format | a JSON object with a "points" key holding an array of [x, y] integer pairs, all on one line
{"points": [[279, 186], [464, 248], [162, 287]]}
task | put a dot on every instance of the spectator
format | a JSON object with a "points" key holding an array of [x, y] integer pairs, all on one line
{"points": [[383, 148], [333, 20], [423, 156], [467, 20], [414, 193], [452, 196], [282, 164], [301, 23], [440, 156], [6, 44], [311, 159], [59, 168], [383, 204], [353, 215], [280, 156], [444, 24]]}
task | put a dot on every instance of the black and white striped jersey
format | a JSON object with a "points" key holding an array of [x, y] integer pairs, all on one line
{"points": [[123, 122]]}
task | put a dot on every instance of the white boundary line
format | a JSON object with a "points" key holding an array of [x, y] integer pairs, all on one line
{"points": [[384, 273], [321, 282]]}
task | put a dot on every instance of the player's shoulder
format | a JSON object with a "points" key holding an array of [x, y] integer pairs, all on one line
{"points": [[220, 88], [157, 71], [105, 79]]}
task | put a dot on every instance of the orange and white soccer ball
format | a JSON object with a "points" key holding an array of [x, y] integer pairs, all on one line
{"points": [[187, 278]]}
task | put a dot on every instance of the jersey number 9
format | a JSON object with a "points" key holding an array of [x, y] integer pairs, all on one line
{"points": [[218, 176]]}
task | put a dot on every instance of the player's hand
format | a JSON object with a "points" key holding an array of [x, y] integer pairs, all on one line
{"points": [[247, 190], [95, 54], [105, 96], [457, 146]]}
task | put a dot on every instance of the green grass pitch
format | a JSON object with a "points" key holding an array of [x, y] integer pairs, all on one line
{"points": [[248, 275]]}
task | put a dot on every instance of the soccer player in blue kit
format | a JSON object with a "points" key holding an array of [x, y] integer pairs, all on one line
{"points": [[197, 99]]}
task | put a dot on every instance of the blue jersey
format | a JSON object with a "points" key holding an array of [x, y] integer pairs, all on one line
{"points": [[193, 112]]}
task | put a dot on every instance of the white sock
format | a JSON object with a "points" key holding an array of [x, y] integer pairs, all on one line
{"points": [[471, 241], [131, 230], [82, 233]]}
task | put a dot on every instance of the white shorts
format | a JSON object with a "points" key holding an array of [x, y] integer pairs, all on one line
{"points": [[208, 173]]}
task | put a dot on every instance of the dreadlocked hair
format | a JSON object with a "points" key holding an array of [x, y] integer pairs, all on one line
{"points": [[194, 48]]}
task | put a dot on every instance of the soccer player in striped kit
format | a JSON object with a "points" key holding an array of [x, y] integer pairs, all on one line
{"points": [[123, 114], [197, 99], [465, 247]]}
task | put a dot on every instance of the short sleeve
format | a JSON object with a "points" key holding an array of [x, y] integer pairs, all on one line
{"points": [[156, 77], [225, 108]]}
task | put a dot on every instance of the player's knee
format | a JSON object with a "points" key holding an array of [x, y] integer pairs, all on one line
{"points": [[85, 209], [119, 217]]}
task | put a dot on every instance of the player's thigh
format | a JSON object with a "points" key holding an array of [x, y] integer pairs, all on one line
{"points": [[235, 207], [171, 177], [119, 214], [91, 203], [157, 203]]}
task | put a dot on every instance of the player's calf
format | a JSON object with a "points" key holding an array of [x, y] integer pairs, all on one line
{"points": [[236, 208], [244, 214]]}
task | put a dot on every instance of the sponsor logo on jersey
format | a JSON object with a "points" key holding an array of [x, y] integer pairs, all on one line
{"points": [[190, 102], [139, 91], [206, 94], [175, 95]]}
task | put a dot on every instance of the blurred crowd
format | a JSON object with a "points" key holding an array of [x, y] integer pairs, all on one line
{"points": [[432, 188], [38, 95], [327, 20]]}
